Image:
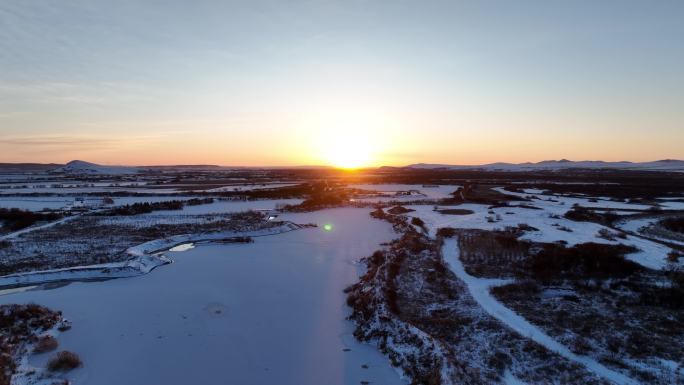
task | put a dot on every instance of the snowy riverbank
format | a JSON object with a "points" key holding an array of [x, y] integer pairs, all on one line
{"points": [[143, 259]]}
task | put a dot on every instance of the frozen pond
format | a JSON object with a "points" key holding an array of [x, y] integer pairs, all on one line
{"points": [[271, 312]]}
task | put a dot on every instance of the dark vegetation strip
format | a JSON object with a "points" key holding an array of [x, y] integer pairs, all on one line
{"points": [[673, 224], [147, 207], [16, 219]]}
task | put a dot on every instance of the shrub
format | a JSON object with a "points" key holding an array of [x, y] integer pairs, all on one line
{"points": [[64, 361], [500, 361], [582, 214], [580, 345], [525, 288], [526, 227], [16, 219], [64, 326], [586, 260], [378, 214], [199, 201], [605, 234], [673, 224], [530, 207], [396, 210], [417, 222], [322, 197], [45, 344], [456, 212], [673, 256], [145, 207], [446, 232]]}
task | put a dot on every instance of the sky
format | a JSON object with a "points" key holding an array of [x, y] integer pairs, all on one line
{"points": [[349, 83]]}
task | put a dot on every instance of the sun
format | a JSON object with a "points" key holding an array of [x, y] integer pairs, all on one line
{"points": [[346, 141], [348, 150]]}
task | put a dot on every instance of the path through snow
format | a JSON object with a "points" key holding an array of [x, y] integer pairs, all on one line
{"points": [[479, 289]]}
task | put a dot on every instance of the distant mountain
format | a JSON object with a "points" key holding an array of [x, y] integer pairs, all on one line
{"points": [[83, 167], [659, 165], [13, 168]]}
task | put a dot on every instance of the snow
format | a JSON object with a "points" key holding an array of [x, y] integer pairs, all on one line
{"points": [[635, 225], [581, 231], [35, 204], [183, 247], [263, 313], [27, 374], [158, 245], [219, 206], [139, 265], [145, 257], [568, 202], [57, 202], [479, 289], [651, 254], [672, 205], [550, 229]]}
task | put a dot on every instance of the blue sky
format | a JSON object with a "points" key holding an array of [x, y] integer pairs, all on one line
{"points": [[285, 82]]}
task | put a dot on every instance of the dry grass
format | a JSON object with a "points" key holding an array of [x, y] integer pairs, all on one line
{"points": [[45, 344], [64, 361], [456, 212]]}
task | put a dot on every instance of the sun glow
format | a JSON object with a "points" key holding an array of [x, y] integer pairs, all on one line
{"points": [[345, 144], [348, 151]]}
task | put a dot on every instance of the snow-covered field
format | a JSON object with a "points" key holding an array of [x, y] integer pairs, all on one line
{"points": [[231, 206], [36, 203], [549, 221], [271, 312], [56, 203], [61, 202], [645, 225], [274, 311]]}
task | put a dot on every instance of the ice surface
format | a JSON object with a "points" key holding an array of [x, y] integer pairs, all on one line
{"points": [[271, 312]]}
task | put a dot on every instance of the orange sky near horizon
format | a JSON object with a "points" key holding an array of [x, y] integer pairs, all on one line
{"points": [[343, 149]]}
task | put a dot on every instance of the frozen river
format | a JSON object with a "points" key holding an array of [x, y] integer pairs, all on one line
{"points": [[271, 312]]}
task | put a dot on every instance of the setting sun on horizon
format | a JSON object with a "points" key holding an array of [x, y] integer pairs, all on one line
{"points": [[349, 153]]}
